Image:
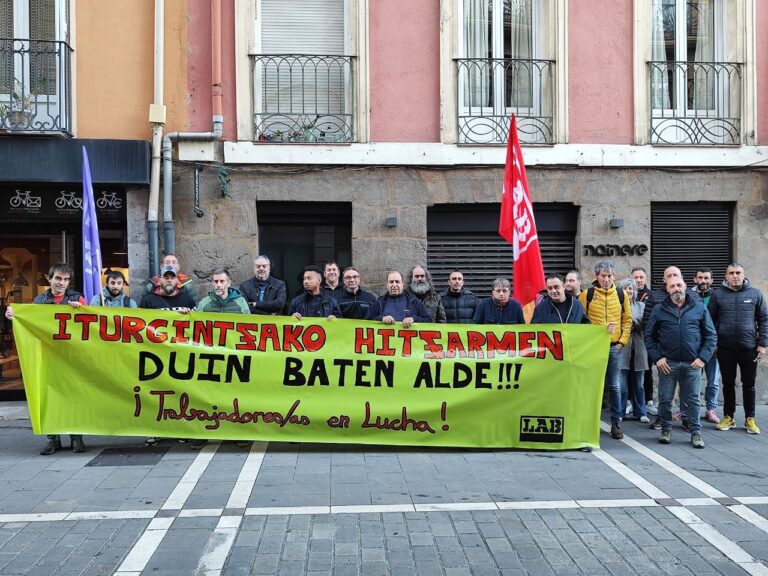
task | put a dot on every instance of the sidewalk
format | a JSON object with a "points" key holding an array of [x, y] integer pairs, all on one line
{"points": [[634, 507]]}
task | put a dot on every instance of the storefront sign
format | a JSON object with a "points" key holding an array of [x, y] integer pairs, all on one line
{"points": [[36, 203], [615, 250], [153, 373]]}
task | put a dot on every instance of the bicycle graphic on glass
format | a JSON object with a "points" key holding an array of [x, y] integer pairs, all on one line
{"points": [[25, 199], [68, 200], [109, 200]]}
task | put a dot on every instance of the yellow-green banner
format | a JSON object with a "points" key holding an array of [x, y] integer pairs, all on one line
{"points": [[122, 371]]}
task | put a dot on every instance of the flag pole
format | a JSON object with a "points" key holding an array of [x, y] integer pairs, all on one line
{"points": [[91, 243]]}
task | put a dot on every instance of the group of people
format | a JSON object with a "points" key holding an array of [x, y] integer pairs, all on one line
{"points": [[679, 330]]}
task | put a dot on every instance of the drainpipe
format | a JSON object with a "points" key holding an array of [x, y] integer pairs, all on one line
{"points": [[169, 241], [157, 117]]}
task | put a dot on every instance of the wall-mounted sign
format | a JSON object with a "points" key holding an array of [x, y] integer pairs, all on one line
{"points": [[36, 203], [615, 250]]}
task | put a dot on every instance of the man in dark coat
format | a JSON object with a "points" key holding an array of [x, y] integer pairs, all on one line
{"points": [[397, 305], [500, 308], [354, 302], [314, 302], [459, 302], [265, 294], [740, 315], [680, 338], [558, 306], [420, 285]]}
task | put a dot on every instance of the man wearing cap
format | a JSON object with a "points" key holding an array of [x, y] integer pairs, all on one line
{"points": [[315, 302], [168, 294], [185, 282]]}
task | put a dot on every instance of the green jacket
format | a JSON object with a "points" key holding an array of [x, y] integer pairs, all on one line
{"points": [[234, 303]]}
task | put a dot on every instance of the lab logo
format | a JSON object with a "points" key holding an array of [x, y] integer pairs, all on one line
{"points": [[545, 429]]}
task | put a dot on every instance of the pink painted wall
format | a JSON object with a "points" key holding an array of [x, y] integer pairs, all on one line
{"points": [[600, 97], [761, 60], [199, 67], [404, 49]]}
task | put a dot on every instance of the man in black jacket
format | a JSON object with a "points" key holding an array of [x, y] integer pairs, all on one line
{"points": [[354, 302], [264, 293], [740, 315], [315, 302], [459, 303], [397, 305]]}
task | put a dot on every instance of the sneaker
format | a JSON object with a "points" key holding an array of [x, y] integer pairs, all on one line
{"points": [[50, 447], [711, 416], [644, 420], [696, 441], [726, 423], [686, 424], [665, 437], [751, 426], [78, 446], [151, 441], [656, 425], [651, 409], [197, 444], [628, 411], [616, 432]]}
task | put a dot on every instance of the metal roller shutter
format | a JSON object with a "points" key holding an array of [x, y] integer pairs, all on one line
{"points": [[691, 235]]}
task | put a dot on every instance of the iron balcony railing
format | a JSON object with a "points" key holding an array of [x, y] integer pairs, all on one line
{"points": [[695, 103], [35, 86], [491, 89], [303, 98]]}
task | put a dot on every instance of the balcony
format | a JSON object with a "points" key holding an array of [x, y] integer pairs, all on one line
{"points": [[303, 98], [490, 90], [35, 86], [695, 103]]}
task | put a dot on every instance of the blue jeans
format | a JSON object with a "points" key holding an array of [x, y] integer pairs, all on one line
{"points": [[613, 384], [712, 370], [632, 388], [689, 380]]}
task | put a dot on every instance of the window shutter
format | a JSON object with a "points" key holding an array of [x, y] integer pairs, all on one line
{"points": [[691, 235], [302, 27]]}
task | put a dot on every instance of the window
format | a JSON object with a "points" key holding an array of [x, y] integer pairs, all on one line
{"points": [[695, 95], [34, 65], [502, 71], [302, 75]]}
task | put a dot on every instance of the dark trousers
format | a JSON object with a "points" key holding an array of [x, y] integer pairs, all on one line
{"points": [[745, 361], [648, 382]]}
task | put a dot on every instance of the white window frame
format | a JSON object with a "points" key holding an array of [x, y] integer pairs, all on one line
{"points": [[550, 42], [248, 42], [738, 25]]}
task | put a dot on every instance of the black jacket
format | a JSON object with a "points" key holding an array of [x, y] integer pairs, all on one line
{"points": [[355, 305], [153, 301], [416, 309], [546, 313], [274, 296], [320, 306], [680, 334], [657, 297], [459, 306], [740, 317], [488, 312]]}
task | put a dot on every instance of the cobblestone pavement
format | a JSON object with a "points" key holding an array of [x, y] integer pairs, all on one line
{"points": [[634, 507]]}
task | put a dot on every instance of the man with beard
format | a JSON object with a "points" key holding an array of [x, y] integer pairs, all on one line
{"points": [[265, 294], [740, 315], [354, 302], [331, 275], [184, 281], [703, 289], [680, 338], [168, 295], [397, 305], [113, 295], [223, 298], [640, 276], [558, 306], [315, 302], [420, 286], [459, 302], [59, 276]]}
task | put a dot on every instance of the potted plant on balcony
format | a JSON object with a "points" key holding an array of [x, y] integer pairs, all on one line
{"points": [[20, 109]]}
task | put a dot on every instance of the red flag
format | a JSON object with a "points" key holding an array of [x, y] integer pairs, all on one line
{"points": [[517, 225]]}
